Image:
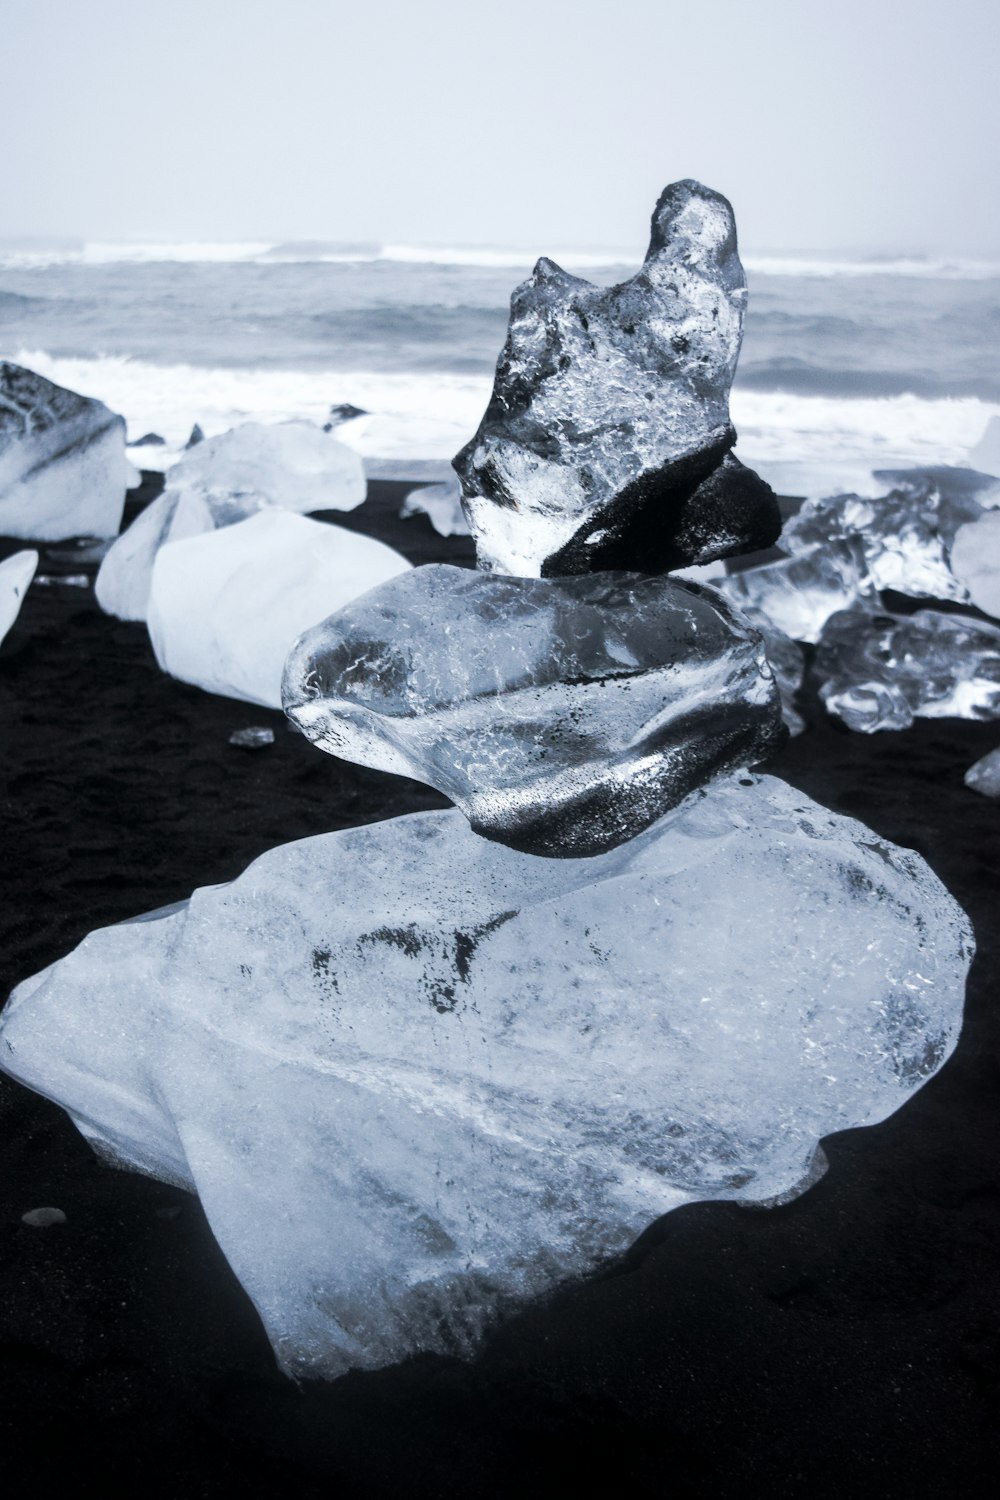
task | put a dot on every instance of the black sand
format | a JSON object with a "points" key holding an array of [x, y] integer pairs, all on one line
{"points": [[847, 1344]]}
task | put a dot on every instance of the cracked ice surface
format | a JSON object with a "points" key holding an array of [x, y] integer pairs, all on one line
{"points": [[562, 715], [415, 1076], [606, 442]]}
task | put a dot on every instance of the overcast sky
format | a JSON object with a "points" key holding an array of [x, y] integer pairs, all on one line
{"points": [[831, 124]]}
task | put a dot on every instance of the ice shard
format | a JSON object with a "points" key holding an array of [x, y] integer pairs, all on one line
{"points": [[416, 1077], [606, 443], [226, 607], [562, 715], [63, 468], [16, 573], [984, 776], [882, 671], [442, 502], [799, 594], [906, 535], [975, 561], [221, 480]]}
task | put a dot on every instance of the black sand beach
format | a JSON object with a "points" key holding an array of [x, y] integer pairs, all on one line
{"points": [[846, 1344]]}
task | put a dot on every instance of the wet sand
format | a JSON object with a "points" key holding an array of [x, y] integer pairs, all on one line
{"points": [[848, 1343]]}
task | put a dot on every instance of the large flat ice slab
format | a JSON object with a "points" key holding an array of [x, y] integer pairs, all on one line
{"points": [[562, 715], [606, 442], [226, 607], [63, 469], [293, 465], [415, 1076]]}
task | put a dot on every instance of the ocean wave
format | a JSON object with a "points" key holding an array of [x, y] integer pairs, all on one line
{"points": [[936, 268], [802, 443]]}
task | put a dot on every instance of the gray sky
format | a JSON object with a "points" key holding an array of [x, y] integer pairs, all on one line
{"points": [[831, 124]]}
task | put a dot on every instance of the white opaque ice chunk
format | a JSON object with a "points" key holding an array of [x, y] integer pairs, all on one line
{"points": [[226, 607], [415, 1076], [975, 561], [222, 480], [442, 503], [16, 573], [986, 454], [984, 776], [63, 469]]}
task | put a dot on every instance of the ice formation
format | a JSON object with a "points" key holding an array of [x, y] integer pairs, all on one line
{"points": [[442, 502], [414, 1075], [225, 607], [799, 594], [984, 776], [788, 663], [975, 560], [883, 671], [562, 715], [63, 468], [986, 453], [16, 573], [226, 479], [606, 443]]}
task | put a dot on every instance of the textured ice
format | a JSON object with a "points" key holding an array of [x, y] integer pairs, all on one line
{"points": [[788, 663], [220, 481], [975, 561], [226, 607], [906, 535], [562, 715], [883, 671], [442, 503], [63, 468], [799, 594], [16, 573], [606, 443], [984, 776], [416, 1077]]}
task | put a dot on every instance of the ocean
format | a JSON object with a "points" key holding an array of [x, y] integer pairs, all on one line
{"points": [[847, 365]]}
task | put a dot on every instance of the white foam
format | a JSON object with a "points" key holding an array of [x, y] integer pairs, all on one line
{"points": [[803, 445], [939, 268]]}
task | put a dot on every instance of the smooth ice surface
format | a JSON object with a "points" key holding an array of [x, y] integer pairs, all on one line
{"points": [[883, 671], [226, 607], [906, 535], [606, 440], [63, 469], [799, 594], [415, 1076], [975, 561], [562, 715], [442, 503], [788, 663], [986, 453], [222, 480], [16, 573], [984, 776]]}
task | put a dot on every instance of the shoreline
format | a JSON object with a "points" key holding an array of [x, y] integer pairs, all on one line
{"points": [[848, 1341]]}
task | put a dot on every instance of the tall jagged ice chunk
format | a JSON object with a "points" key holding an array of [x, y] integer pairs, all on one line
{"points": [[561, 715], [226, 607], [63, 468], [415, 1076], [907, 535], [883, 671], [799, 594], [293, 465], [16, 573], [606, 443]]}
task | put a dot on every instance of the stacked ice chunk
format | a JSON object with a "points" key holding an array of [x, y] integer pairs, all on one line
{"points": [[416, 1075]]}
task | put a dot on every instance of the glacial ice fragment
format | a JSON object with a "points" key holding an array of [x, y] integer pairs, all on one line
{"points": [[222, 480], [63, 468], [16, 573], [984, 776], [416, 1077], [226, 607], [606, 443], [882, 671], [799, 594], [986, 453], [562, 715], [442, 503], [788, 663], [906, 536], [975, 561]]}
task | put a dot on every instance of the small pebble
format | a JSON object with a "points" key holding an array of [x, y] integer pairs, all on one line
{"points": [[254, 738], [42, 1218]]}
